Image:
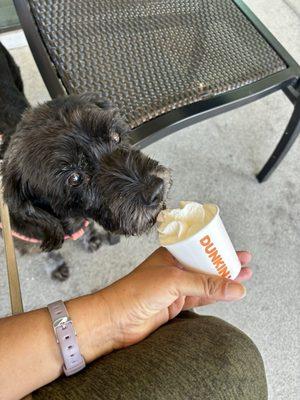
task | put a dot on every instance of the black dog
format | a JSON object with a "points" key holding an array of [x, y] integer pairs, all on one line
{"points": [[68, 162]]}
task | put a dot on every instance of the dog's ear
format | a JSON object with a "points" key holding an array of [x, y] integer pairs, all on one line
{"points": [[29, 216], [97, 99], [111, 118]]}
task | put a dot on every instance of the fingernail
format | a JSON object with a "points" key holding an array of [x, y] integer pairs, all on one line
{"points": [[234, 291]]}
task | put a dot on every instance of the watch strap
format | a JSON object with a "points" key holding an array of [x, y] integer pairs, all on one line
{"points": [[66, 338]]}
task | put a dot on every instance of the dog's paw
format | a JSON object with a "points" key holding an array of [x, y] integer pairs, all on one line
{"points": [[93, 239], [94, 242], [61, 273], [113, 239]]}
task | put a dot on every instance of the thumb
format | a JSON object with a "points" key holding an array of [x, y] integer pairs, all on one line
{"points": [[211, 287], [232, 291]]}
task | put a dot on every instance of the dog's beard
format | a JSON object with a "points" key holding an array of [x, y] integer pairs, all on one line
{"points": [[123, 211], [130, 218]]}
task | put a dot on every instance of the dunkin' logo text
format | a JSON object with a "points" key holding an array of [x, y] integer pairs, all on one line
{"points": [[215, 257]]}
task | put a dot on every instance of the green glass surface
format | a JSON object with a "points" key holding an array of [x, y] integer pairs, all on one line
{"points": [[8, 15]]}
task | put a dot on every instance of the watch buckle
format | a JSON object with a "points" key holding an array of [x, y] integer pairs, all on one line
{"points": [[61, 321]]}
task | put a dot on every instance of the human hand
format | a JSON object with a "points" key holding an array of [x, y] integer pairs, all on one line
{"points": [[158, 290]]}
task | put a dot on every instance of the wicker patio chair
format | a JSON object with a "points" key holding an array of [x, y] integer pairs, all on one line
{"points": [[164, 63]]}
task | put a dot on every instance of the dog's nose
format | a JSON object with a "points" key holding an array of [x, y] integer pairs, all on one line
{"points": [[152, 194]]}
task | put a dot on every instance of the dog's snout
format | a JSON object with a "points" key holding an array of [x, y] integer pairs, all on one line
{"points": [[152, 194]]}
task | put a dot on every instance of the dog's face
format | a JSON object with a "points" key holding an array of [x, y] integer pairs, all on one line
{"points": [[70, 158]]}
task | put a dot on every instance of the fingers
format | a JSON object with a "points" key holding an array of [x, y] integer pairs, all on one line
{"points": [[244, 275], [244, 257]]}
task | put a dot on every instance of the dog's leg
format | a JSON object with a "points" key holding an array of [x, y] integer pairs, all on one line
{"points": [[93, 239], [59, 268], [112, 239]]}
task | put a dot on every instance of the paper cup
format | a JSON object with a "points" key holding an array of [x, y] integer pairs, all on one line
{"points": [[210, 249]]}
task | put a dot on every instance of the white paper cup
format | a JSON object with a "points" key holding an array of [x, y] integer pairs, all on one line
{"points": [[210, 249]]}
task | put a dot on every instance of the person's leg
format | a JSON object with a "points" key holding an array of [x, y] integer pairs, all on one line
{"points": [[192, 357]]}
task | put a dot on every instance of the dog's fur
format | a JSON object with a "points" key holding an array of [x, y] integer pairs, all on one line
{"points": [[69, 160]]}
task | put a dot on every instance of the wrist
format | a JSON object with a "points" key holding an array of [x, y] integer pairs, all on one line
{"points": [[92, 321]]}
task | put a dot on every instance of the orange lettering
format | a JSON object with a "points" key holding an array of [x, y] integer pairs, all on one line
{"points": [[223, 269], [205, 240], [224, 272], [209, 249], [218, 262], [215, 257], [220, 266], [227, 275]]}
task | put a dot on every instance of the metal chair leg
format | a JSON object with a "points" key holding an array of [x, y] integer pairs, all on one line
{"points": [[288, 138]]}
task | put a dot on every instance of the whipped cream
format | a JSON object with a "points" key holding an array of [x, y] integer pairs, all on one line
{"points": [[180, 223]]}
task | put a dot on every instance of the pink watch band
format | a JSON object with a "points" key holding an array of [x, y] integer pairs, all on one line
{"points": [[66, 338]]}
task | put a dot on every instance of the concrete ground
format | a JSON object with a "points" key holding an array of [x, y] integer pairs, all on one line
{"points": [[214, 161]]}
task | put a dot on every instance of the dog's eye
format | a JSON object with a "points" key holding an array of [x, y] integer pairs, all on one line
{"points": [[115, 137], [75, 179]]}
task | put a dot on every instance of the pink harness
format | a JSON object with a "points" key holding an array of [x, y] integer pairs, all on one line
{"points": [[76, 235]]}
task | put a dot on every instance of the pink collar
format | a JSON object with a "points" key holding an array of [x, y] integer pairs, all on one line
{"points": [[76, 235]]}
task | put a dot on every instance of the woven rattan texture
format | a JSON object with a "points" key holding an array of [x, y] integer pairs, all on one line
{"points": [[151, 56]]}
